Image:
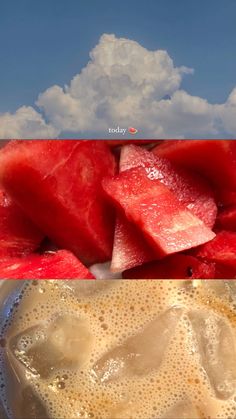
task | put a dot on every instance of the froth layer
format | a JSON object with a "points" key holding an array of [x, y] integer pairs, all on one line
{"points": [[126, 349]]}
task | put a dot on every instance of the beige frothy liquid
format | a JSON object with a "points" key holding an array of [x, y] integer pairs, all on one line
{"points": [[123, 349]]}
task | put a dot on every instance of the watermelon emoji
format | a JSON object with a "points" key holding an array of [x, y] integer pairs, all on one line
{"points": [[132, 130]]}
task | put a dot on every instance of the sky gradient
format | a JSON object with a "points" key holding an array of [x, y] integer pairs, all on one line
{"points": [[44, 43], [47, 42]]}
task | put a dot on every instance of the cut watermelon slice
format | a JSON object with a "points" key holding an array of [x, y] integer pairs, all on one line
{"points": [[190, 188], [59, 265], [215, 159], [130, 247], [166, 223], [173, 267], [221, 250], [58, 185], [18, 235]]}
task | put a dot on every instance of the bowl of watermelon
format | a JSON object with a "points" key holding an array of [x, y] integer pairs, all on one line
{"points": [[87, 209]]}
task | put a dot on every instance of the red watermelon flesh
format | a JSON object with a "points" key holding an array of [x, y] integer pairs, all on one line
{"points": [[177, 266], [18, 235], [130, 247], [221, 250], [58, 185], [224, 272], [59, 265], [226, 219], [215, 159], [226, 197], [166, 223], [190, 188]]}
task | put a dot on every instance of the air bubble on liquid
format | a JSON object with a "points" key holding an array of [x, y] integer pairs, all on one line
{"points": [[168, 373]]}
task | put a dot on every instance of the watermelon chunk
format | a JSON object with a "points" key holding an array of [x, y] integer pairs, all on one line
{"points": [[59, 265], [190, 188], [167, 224], [221, 250], [215, 159], [58, 185], [177, 266], [18, 235], [130, 248], [226, 219]]}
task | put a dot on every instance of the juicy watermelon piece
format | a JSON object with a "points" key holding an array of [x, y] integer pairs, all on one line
{"points": [[226, 219], [18, 235], [190, 188], [221, 250], [130, 248], [58, 185], [173, 267], [59, 265], [167, 224], [215, 159]]}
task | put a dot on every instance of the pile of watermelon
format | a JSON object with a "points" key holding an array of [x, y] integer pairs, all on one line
{"points": [[155, 209]]}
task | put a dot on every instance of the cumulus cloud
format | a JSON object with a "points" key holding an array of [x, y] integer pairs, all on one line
{"points": [[25, 122], [127, 85], [227, 113]]}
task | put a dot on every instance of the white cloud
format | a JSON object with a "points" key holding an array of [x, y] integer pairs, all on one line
{"points": [[227, 113], [25, 122], [123, 84]]}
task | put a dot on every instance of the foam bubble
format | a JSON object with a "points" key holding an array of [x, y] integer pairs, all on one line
{"points": [[124, 349]]}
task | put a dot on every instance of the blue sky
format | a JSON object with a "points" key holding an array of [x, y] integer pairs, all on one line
{"points": [[47, 42]]}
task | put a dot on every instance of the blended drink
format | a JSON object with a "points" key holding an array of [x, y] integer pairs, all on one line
{"points": [[119, 349]]}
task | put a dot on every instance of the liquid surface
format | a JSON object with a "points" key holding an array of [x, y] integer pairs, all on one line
{"points": [[121, 349]]}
